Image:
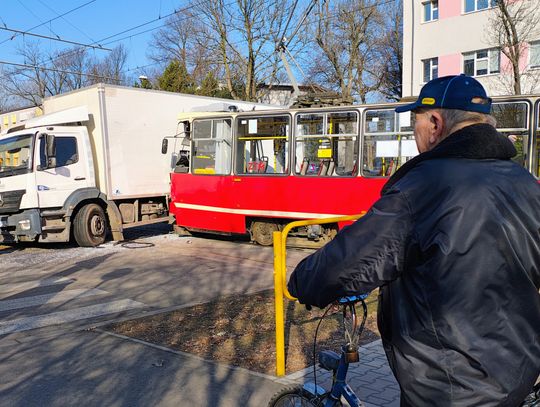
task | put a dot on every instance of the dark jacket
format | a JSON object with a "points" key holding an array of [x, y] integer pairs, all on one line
{"points": [[454, 245]]}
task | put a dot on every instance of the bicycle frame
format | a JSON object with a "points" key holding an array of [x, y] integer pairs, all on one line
{"points": [[339, 387]]}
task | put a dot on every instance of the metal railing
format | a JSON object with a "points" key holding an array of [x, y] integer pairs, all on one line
{"points": [[280, 280]]}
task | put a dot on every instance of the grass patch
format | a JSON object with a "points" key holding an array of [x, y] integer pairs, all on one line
{"points": [[240, 331]]}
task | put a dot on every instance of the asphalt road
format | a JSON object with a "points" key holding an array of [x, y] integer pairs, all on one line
{"points": [[150, 271], [51, 294]]}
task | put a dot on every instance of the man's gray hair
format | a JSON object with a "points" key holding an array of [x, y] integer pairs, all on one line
{"points": [[453, 117]]}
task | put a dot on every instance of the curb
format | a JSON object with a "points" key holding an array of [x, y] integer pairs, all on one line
{"points": [[191, 356]]}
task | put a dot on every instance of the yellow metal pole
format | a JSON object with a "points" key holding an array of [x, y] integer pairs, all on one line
{"points": [[280, 281], [278, 301]]}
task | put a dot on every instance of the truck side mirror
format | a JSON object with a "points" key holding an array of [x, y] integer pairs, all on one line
{"points": [[50, 151], [164, 146]]}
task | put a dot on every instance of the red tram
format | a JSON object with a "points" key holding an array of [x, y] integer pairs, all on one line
{"points": [[253, 172]]}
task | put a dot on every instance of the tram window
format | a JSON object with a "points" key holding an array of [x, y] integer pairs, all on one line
{"points": [[536, 172], [262, 145], [309, 124], [510, 115], [536, 161], [512, 122], [520, 139], [388, 142], [326, 144], [380, 121], [211, 147]]}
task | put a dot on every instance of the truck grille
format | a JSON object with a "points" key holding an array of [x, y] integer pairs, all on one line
{"points": [[11, 201]]}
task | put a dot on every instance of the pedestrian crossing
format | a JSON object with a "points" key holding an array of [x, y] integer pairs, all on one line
{"points": [[39, 303]]}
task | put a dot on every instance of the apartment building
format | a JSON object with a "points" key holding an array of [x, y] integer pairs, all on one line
{"points": [[448, 37]]}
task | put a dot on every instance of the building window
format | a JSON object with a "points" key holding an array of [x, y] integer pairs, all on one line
{"points": [[431, 69], [431, 10], [483, 62], [475, 5], [535, 54]]}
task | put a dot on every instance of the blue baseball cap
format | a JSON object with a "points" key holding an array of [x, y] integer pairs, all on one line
{"points": [[460, 92]]}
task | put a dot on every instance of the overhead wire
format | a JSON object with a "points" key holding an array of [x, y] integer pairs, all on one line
{"points": [[40, 68], [95, 42], [24, 33], [134, 28], [298, 26], [66, 20], [139, 33], [327, 17], [51, 20], [36, 16]]}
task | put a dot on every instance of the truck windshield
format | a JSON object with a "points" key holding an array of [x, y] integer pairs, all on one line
{"points": [[15, 153]]}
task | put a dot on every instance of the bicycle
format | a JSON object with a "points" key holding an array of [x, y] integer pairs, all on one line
{"points": [[310, 394]]}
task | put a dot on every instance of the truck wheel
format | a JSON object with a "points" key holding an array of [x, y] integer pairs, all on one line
{"points": [[90, 226], [263, 232]]}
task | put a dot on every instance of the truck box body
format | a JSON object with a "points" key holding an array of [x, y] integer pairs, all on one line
{"points": [[115, 175]]}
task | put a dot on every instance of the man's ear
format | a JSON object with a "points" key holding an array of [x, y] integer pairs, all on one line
{"points": [[437, 127]]}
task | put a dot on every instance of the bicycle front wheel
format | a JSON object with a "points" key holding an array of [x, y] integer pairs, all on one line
{"points": [[294, 397]]}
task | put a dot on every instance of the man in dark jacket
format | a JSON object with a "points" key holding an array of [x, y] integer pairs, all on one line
{"points": [[454, 245]]}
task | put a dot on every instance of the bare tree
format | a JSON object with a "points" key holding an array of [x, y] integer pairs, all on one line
{"points": [[29, 84], [111, 68], [391, 53], [234, 41], [346, 54], [179, 40], [42, 75], [512, 25]]}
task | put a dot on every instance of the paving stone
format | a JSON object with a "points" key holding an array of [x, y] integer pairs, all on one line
{"points": [[371, 378]]}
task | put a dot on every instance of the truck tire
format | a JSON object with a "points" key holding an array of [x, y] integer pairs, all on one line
{"points": [[90, 226]]}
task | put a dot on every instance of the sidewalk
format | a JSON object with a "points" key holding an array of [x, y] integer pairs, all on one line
{"points": [[91, 368], [371, 378]]}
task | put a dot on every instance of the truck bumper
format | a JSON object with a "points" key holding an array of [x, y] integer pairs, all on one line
{"points": [[21, 227]]}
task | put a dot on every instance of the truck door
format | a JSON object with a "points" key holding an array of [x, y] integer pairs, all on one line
{"points": [[57, 179]]}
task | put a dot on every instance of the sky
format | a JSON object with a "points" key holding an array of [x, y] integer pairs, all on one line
{"points": [[91, 22]]}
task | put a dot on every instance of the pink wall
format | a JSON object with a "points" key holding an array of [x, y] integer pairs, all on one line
{"points": [[523, 61], [449, 8], [450, 64]]}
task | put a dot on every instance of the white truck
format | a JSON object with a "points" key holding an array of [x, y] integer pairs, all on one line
{"points": [[92, 164]]}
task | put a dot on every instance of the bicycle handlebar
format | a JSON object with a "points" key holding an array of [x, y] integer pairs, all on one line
{"points": [[352, 298]]}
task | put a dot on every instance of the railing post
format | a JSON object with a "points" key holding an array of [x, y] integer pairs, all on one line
{"points": [[280, 278], [278, 301]]}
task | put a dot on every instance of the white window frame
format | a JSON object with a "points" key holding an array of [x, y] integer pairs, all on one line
{"points": [[433, 12], [534, 62], [491, 70], [490, 4], [433, 65]]}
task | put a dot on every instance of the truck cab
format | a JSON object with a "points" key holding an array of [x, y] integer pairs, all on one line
{"points": [[46, 176]]}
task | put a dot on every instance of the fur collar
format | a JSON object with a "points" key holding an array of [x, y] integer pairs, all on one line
{"points": [[478, 141]]}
